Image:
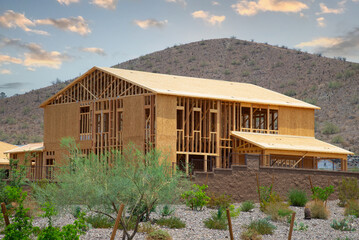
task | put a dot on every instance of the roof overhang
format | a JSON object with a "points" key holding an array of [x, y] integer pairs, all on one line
{"points": [[290, 143], [32, 147]]}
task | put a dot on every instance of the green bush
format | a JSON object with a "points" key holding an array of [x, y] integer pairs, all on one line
{"points": [[247, 206], [146, 227], [322, 193], [297, 198], [337, 139], [158, 235], [335, 84], [277, 210], [300, 227], [330, 128], [318, 209], [218, 220], [352, 208], [343, 225], [216, 201], [233, 211], [262, 226], [166, 211], [172, 222], [100, 221], [290, 93], [196, 198], [348, 190], [250, 234]]}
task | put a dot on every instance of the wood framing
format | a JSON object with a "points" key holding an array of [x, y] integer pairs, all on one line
{"points": [[193, 121]]}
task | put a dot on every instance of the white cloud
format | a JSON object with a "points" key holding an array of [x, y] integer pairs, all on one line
{"points": [[68, 2], [72, 24], [11, 19], [181, 2], [321, 22], [325, 10], [207, 17], [34, 55], [250, 8], [8, 59], [5, 71], [108, 4], [144, 24], [31, 69], [215, 3], [321, 42], [95, 50]]}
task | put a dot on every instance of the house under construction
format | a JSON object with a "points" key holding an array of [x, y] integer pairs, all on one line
{"points": [[202, 123]]}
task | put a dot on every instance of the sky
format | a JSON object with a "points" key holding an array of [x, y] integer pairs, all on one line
{"points": [[42, 41]]}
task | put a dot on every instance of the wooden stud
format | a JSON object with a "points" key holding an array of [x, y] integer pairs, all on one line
{"points": [[291, 226], [229, 224], [311, 184], [4, 213], [118, 219], [258, 189]]}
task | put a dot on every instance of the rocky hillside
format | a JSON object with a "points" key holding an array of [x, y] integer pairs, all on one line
{"points": [[329, 83]]}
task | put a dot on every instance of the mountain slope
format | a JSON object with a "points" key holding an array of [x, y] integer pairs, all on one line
{"points": [[329, 83]]}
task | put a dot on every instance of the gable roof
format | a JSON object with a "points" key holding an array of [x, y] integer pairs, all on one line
{"points": [[3, 148], [197, 87], [289, 143], [31, 147]]}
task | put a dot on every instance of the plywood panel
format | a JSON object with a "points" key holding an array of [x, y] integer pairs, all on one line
{"points": [[134, 121], [296, 121], [166, 132]]}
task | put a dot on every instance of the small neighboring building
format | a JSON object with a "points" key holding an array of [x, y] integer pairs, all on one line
{"points": [[31, 155], [4, 159]]}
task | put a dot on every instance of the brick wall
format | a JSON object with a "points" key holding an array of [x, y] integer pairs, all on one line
{"points": [[241, 183]]}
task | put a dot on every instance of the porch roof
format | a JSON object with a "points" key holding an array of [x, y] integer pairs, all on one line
{"points": [[289, 143], [31, 147]]}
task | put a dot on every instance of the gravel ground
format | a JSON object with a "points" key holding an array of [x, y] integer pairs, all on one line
{"points": [[317, 229]]}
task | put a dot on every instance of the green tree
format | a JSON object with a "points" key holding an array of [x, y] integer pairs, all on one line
{"points": [[102, 183]]}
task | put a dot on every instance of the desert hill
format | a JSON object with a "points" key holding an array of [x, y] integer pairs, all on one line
{"points": [[332, 84]]}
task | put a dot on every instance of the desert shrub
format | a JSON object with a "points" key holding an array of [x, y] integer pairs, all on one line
{"points": [[290, 93], [335, 84], [348, 190], [322, 193], [100, 221], [218, 220], [146, 227], [146, 182], [159, 234], [247, 206], [297, 198], [330, 128], [234, 212], [352, 208], [277, 210], [337, 139], [345, 224], [76, 211], [166, 211], [318, 209], [196, 198], [216, 201], [300, 227], [265, 192], [262, 226], [172, 222], [250, 234]]}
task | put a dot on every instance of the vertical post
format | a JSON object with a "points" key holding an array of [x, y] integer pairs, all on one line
{"points": [[259, 193], [6, 218], [291, 226], [311, 184], [229, 224], [118, 219], [187, 164], [205, 163]]}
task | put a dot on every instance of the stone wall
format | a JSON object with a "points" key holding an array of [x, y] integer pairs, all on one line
{"points": [[241, 183]]}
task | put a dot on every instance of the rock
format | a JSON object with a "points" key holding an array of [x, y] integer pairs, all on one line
{"points": [[307, 214]]}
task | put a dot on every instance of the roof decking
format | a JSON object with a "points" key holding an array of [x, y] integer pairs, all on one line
{"points": [[289, 143], [198, 88], [3, 148], [32, 147]]}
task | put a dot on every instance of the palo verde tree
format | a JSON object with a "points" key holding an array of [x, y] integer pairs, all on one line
{"points": [[102, 183]]}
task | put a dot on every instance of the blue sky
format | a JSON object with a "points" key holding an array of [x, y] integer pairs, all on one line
{"points": [[42, 40]]}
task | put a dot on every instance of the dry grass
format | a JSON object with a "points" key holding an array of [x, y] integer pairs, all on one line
{"points": [[318, 209]]}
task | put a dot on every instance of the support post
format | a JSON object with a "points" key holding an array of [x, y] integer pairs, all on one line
{"points": [[311, 184], [229, 224], [6, 218], [118, 219], [187, 164], [291, 226], [205, 163]]}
